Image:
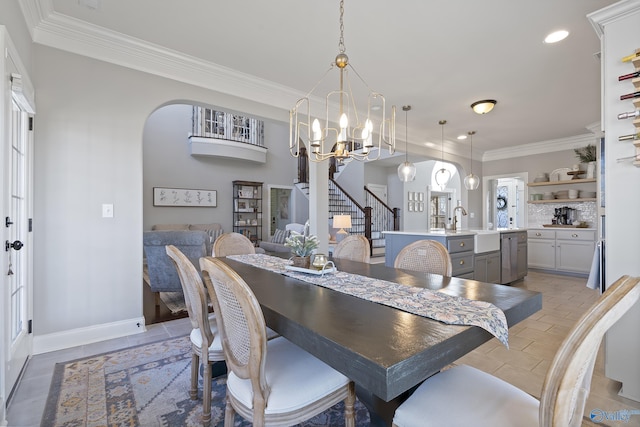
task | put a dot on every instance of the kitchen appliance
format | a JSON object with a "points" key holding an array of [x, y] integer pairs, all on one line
{"points": [[565, 216]]}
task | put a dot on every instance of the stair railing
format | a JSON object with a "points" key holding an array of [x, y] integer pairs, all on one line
{"points": [[341, 202], [383, 217]]}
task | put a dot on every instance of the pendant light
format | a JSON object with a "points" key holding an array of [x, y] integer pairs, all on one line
{"points": [[442, 175], [406, 170], [471, 181]]}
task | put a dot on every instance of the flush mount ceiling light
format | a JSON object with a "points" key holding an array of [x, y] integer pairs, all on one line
{"points": [[484, 106], [406, 170], [471, 181], [442, 175], [352, 139], [556, 36]]}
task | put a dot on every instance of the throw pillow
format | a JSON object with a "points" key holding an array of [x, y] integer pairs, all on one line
{"points": [[279, 236], [214, 234]]}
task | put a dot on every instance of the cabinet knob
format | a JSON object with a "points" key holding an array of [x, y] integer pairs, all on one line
{"points": [[538, 234], [461, 262], [461, 244], [574, 235]]}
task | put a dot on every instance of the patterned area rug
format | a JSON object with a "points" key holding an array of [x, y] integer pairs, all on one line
{"points": [[145, 386]]}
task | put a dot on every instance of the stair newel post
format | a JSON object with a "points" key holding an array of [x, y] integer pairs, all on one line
{"points": [[367, 226], [396, 219]]}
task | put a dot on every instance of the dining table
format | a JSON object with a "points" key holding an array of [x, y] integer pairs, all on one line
{"points": [[386, 351]]}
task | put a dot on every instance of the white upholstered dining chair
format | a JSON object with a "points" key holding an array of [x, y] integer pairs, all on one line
{"points": [[206, 343], [285, 386], [464, 396], [232, 244], [427, 256], [354, 247]]}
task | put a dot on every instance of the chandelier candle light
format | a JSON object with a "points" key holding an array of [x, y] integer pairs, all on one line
{"points": [[353, 138], [471, 181], [442, 175], [406, 170]]}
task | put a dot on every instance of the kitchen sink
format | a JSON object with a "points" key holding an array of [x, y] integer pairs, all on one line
{"points": [[486, 241]]}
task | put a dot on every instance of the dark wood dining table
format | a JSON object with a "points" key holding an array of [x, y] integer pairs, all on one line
{"points": [[385, 351]]}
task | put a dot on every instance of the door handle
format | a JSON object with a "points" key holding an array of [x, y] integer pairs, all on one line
{"points": [[17, 245]]}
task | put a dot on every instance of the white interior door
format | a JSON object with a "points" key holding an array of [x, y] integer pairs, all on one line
{"points": [[16, 158], [17, 248]]}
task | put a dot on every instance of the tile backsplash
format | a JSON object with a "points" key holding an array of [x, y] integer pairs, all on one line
{"points": [[542, 213]]}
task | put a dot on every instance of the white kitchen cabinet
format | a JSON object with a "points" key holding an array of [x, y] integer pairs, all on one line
{"points": [[542, 249], [574, 250], [568, 250]]}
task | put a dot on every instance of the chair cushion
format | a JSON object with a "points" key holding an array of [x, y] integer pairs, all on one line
{"points": [[465, 396], [215, 349], [296, 378]]}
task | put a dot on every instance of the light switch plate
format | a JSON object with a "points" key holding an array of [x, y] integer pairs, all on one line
{"points": [[107, 210]]}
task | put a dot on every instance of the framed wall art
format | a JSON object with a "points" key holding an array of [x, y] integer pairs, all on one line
{"points": [[163, 196]]}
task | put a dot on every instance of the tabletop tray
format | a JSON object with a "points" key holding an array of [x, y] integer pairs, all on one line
{"points": [[311, 270]]}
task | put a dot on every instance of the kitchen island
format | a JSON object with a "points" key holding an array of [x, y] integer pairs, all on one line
{"points": [[475, 254]]}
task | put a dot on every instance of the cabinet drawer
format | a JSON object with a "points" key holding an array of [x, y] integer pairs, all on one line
{"points": [[461, 263], [541, 234], [460, 244], [576, 235]]}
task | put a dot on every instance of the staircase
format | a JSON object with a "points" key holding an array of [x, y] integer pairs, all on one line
{"points": [[369, 221]]}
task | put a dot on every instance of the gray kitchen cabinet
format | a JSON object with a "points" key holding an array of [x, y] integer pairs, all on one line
{"points": [[487, 267], [460, 247]]}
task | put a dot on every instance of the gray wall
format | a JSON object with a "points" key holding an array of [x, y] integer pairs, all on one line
{"points": [[88, 151], [167, 162]]}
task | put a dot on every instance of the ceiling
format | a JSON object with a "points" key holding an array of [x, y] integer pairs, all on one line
{"points": [[438, 57]]}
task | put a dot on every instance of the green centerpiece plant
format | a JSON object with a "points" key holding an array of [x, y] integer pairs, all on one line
{"points": [[302, 246]]}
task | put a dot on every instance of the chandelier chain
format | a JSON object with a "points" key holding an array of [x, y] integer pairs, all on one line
{"points": [[341, 47]]}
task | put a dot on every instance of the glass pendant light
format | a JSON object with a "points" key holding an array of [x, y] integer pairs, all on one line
{"points": [[406, 170], [442, 175], [471, 181]]}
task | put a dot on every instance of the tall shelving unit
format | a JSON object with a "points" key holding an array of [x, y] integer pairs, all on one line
{"points": [[247, 209]]}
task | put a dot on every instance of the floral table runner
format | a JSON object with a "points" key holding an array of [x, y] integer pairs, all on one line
{"points": [[435, 305]]}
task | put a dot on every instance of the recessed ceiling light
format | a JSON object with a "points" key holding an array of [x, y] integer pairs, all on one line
{"points": [[461, 137], [556, 36]]}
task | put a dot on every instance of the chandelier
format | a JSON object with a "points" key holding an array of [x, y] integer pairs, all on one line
{"points": [[353, 138], [443, 175]]}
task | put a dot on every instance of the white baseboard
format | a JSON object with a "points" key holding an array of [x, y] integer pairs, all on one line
{"points": [[81, 336]]}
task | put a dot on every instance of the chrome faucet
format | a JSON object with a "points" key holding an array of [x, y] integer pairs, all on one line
{"points": [[455, 218]]}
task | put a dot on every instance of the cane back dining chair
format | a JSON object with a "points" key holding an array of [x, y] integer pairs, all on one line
{"points": [[233, 244], [285, 387], [464, 396], [427, 256], [206, 344], [354, 247]]}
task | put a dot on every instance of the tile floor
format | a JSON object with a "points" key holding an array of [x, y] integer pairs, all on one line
{"points": [[533, 343]]}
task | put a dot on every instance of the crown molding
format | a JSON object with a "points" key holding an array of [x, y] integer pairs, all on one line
{"points": [[600, 18], [59, 31], [540, 147]]}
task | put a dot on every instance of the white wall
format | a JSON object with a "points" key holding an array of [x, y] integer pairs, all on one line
{"points": [[88, 151]]}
